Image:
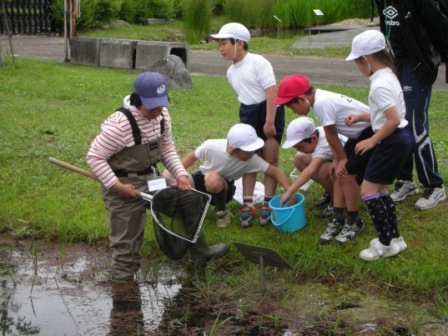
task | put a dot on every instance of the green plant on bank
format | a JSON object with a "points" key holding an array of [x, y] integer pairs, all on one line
{"points": [[300, 13], [59, 112], [197, 14]]}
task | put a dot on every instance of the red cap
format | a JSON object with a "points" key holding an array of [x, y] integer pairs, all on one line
{"points": [[291, 87]]}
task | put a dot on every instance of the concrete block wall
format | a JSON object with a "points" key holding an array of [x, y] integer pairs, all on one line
{"points": [[123, 54], [149, 52], [118, 54], [85, 51]]}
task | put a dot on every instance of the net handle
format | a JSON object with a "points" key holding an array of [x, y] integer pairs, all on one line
{"points": [[145, 196]]}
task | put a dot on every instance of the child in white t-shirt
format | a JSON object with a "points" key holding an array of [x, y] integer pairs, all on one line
{"points": [[252, 77], [391, 141], [225, 160]]}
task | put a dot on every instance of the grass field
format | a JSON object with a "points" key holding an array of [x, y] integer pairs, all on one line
{"points": [[55, 110]]}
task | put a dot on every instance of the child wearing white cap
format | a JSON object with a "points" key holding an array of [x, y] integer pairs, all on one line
{"points": [[226, 160], [252, 77], [314, 155], [391, 141]]}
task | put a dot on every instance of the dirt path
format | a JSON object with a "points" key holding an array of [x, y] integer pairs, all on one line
{"points": [[209, 63]]}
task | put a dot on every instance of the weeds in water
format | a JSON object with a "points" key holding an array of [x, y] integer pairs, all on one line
{"points": [[216, 327]]}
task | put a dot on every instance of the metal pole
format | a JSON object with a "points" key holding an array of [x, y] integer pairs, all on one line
{"points": [[65, 32], [8, 31], [262, 277]]}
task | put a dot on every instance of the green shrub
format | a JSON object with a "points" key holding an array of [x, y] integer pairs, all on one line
{"points": [[135, 11], [197, 18], [163, 9], [104, 11], [58, 14], [218, 7]]}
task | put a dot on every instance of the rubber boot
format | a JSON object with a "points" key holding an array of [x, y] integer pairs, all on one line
{"points": [[200, 252]]}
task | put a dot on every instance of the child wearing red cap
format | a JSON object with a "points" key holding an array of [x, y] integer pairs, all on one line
{"points": [[391, 143], [347, 167], [253, 80]]}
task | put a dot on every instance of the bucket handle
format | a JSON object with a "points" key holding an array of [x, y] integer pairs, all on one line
{"points": [[283, 222]]}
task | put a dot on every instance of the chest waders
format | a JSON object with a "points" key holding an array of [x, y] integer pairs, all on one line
{"points": [[127, 217]]}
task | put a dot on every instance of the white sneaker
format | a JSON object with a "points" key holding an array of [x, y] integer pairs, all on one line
{"points": [[400, 243], [396, 241], [377, 250], [430, 198], [404, 189]]}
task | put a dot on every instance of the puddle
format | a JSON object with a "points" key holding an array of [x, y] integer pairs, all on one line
{"points": [[48, 289]]}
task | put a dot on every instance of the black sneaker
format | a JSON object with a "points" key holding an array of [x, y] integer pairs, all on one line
{"points": [[350, 231], [332, 230], [328, 211], [323, 201]]}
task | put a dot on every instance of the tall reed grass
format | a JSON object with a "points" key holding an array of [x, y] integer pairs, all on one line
{"points": [[293, 13], [197, 18], [254, 14]]}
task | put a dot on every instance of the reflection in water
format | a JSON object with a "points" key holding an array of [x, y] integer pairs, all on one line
{"points": [[46, 296], [52, 291], [126, 316]]}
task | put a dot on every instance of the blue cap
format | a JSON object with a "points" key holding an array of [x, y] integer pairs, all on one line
{"points": [[152, 89]]}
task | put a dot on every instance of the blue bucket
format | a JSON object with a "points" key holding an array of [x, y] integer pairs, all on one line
{"points": [[288, 219]]}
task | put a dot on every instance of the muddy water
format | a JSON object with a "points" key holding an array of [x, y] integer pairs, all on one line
{"points": [[51, 289]]}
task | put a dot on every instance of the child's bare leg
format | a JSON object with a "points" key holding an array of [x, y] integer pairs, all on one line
{"points": [[323, 177], [214, 183], [351, 192], [248, 210], [301, 161], [270, 154]]}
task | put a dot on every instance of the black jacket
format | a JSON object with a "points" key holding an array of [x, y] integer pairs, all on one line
{"points": [[424, 34]]}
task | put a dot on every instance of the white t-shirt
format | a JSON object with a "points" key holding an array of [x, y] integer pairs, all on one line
{"points": [[215, 158], [331, 108], [323, 149], [385, 92], [250, 77]]}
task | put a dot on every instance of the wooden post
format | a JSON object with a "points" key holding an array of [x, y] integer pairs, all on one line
{"points": [[73, 14]]}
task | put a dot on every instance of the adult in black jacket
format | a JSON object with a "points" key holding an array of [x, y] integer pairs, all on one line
{"points": [[417, 39]]}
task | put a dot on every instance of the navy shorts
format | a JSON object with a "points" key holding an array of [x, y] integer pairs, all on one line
{"points": [[199, 182], [255, 115], [388, 157], [356, 164]]}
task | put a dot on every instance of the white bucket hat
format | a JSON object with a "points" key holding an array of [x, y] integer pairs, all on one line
{"points": [[244, 137], [232, 30], [367, 43], [299, 129]]}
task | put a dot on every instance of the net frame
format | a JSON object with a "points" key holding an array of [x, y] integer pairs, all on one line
{"points": [[206, 199]]}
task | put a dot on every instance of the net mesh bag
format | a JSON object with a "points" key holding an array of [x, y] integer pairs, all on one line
{"points": [[178, 217]]}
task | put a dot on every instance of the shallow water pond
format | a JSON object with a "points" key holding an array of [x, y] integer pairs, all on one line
{"points": [[49, 289]]}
